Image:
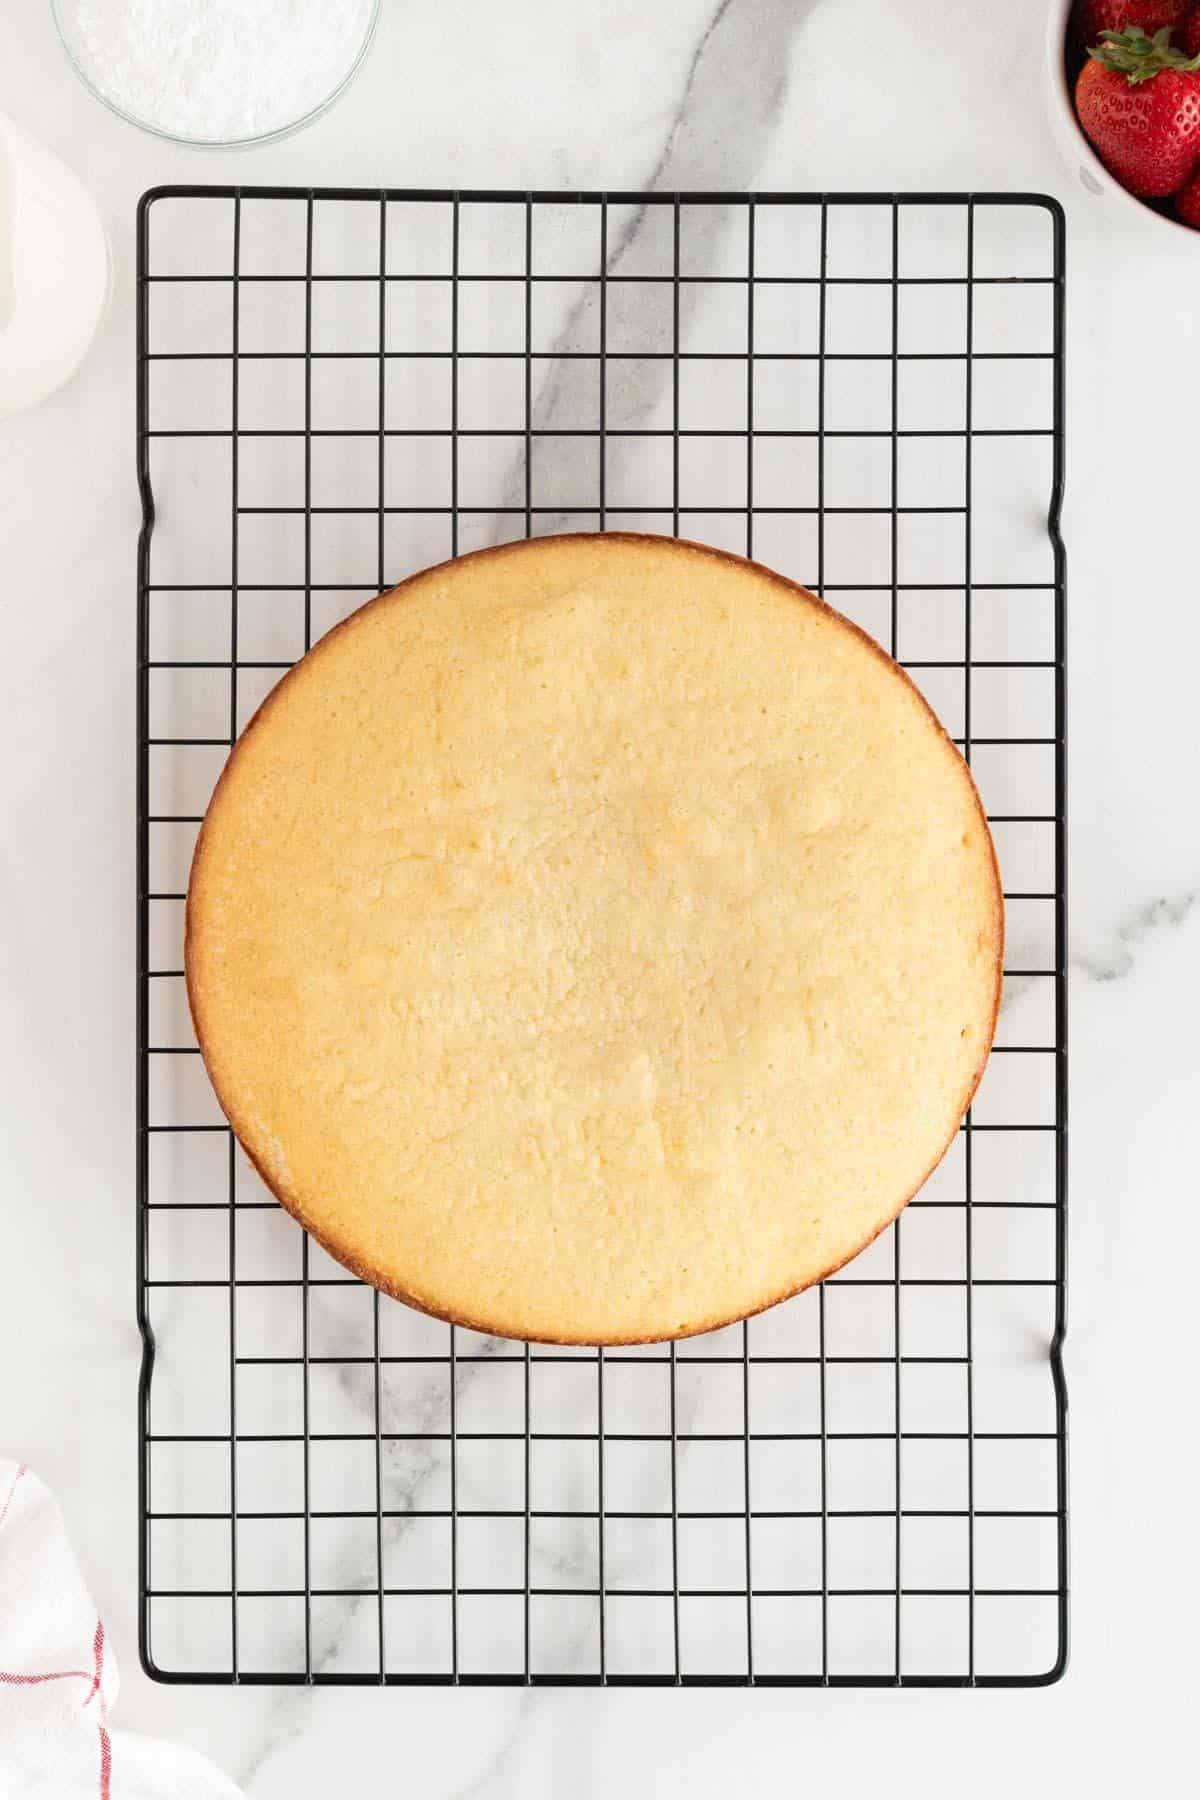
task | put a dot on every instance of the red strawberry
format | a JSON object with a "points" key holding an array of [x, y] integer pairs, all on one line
{"points": [[1139, 103], [1189, 38], [1091, 17], [1187, 202]]}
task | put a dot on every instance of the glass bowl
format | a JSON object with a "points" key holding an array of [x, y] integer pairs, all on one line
{"points": [[66, 18]]}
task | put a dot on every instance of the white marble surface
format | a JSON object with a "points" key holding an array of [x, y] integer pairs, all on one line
{"points": [[750, 93]]}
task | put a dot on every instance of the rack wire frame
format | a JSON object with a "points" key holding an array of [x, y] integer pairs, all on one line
{"points": [[601, 1665]]}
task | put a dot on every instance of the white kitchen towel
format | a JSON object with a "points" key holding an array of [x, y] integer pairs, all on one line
{"points": [[58, 1680]]}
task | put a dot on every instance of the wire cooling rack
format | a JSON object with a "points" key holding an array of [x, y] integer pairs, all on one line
{"points": [[868, 1483]]}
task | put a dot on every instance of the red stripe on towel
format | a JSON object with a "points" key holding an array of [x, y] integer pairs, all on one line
{"points": [[98, 1662], [10, 1679]]}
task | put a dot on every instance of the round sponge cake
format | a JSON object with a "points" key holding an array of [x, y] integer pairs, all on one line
{"points": [[595, 940]]}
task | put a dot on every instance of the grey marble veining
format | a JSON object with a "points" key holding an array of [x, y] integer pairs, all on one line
{"points": [[1163, 915], [716, 137]]}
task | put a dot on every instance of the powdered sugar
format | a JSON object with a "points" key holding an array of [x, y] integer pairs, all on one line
{"points": [[217, 70]]}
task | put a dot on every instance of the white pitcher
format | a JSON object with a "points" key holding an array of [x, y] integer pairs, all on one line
{"points": [[54, 270]]}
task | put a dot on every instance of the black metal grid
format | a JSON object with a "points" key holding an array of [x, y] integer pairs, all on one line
{"points": [[867, 1486]]}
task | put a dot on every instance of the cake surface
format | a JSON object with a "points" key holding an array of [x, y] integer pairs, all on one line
{"points": [[594, 940]]}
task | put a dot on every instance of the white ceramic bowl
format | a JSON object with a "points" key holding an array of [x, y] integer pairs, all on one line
{"points": [[1081, 159]]}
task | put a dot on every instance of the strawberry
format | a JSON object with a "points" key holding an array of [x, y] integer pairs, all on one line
{"points": [[1189, 37], [1187, 202], [1092, 17], [1139, 103]]}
